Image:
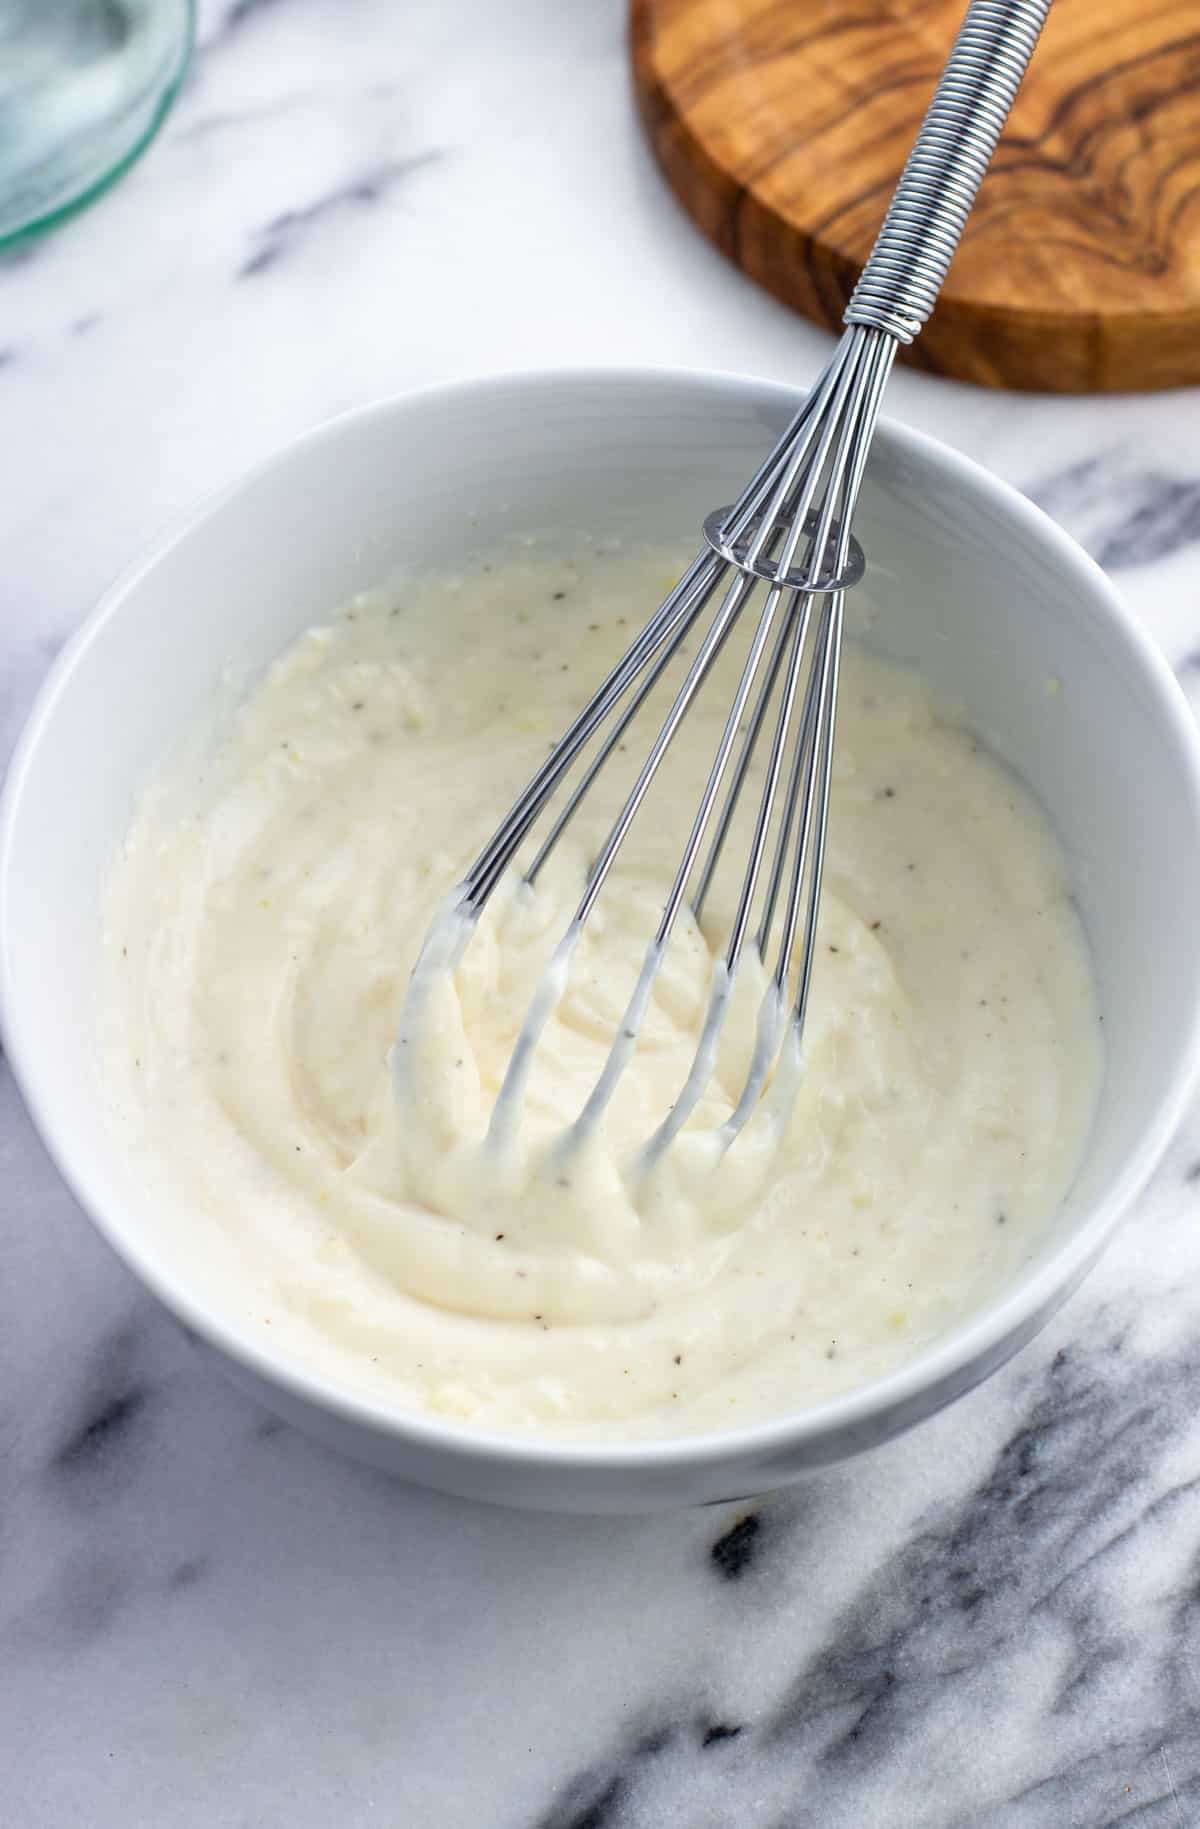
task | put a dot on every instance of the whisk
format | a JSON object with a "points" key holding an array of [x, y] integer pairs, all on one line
{"points": [[788, 538]]}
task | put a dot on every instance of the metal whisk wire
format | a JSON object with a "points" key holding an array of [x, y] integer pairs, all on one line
{"points": [[789, 531]]}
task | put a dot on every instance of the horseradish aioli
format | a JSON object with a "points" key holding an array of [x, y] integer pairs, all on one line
{"points": [[331, 1184]]}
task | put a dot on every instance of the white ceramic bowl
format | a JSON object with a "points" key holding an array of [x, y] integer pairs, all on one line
{"points": [[976, 587]]}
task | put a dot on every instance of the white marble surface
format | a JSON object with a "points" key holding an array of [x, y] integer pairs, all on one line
{"points": [[206, 1621]]}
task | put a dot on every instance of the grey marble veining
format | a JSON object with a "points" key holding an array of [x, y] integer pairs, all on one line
{"points": [[284, 233], [204, 1619], [1124, 515]]}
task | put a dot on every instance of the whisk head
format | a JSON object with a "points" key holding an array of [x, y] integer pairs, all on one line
{"points": [[787, 544]]}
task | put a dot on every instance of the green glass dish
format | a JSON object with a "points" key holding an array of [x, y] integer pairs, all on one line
{"points": [[84, 87]]}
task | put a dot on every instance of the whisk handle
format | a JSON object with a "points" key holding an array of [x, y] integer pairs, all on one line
{"points": [[926, 217]]}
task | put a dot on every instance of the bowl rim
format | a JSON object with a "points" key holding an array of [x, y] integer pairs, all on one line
{"points": [[980, 1339]]}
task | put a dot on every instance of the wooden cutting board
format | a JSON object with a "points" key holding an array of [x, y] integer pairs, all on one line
{"points": [[782, 126]]}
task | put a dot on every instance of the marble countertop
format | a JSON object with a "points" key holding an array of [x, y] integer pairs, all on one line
{"points": [[206, 1620]]}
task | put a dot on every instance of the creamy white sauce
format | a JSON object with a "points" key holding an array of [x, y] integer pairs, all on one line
{"points": [[323, 1150]]}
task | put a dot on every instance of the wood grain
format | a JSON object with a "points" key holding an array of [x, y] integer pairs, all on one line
{"points": [[782, 126]]}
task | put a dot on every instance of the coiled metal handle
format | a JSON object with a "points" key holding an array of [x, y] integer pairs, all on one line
{"points": [[925, 220]]}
